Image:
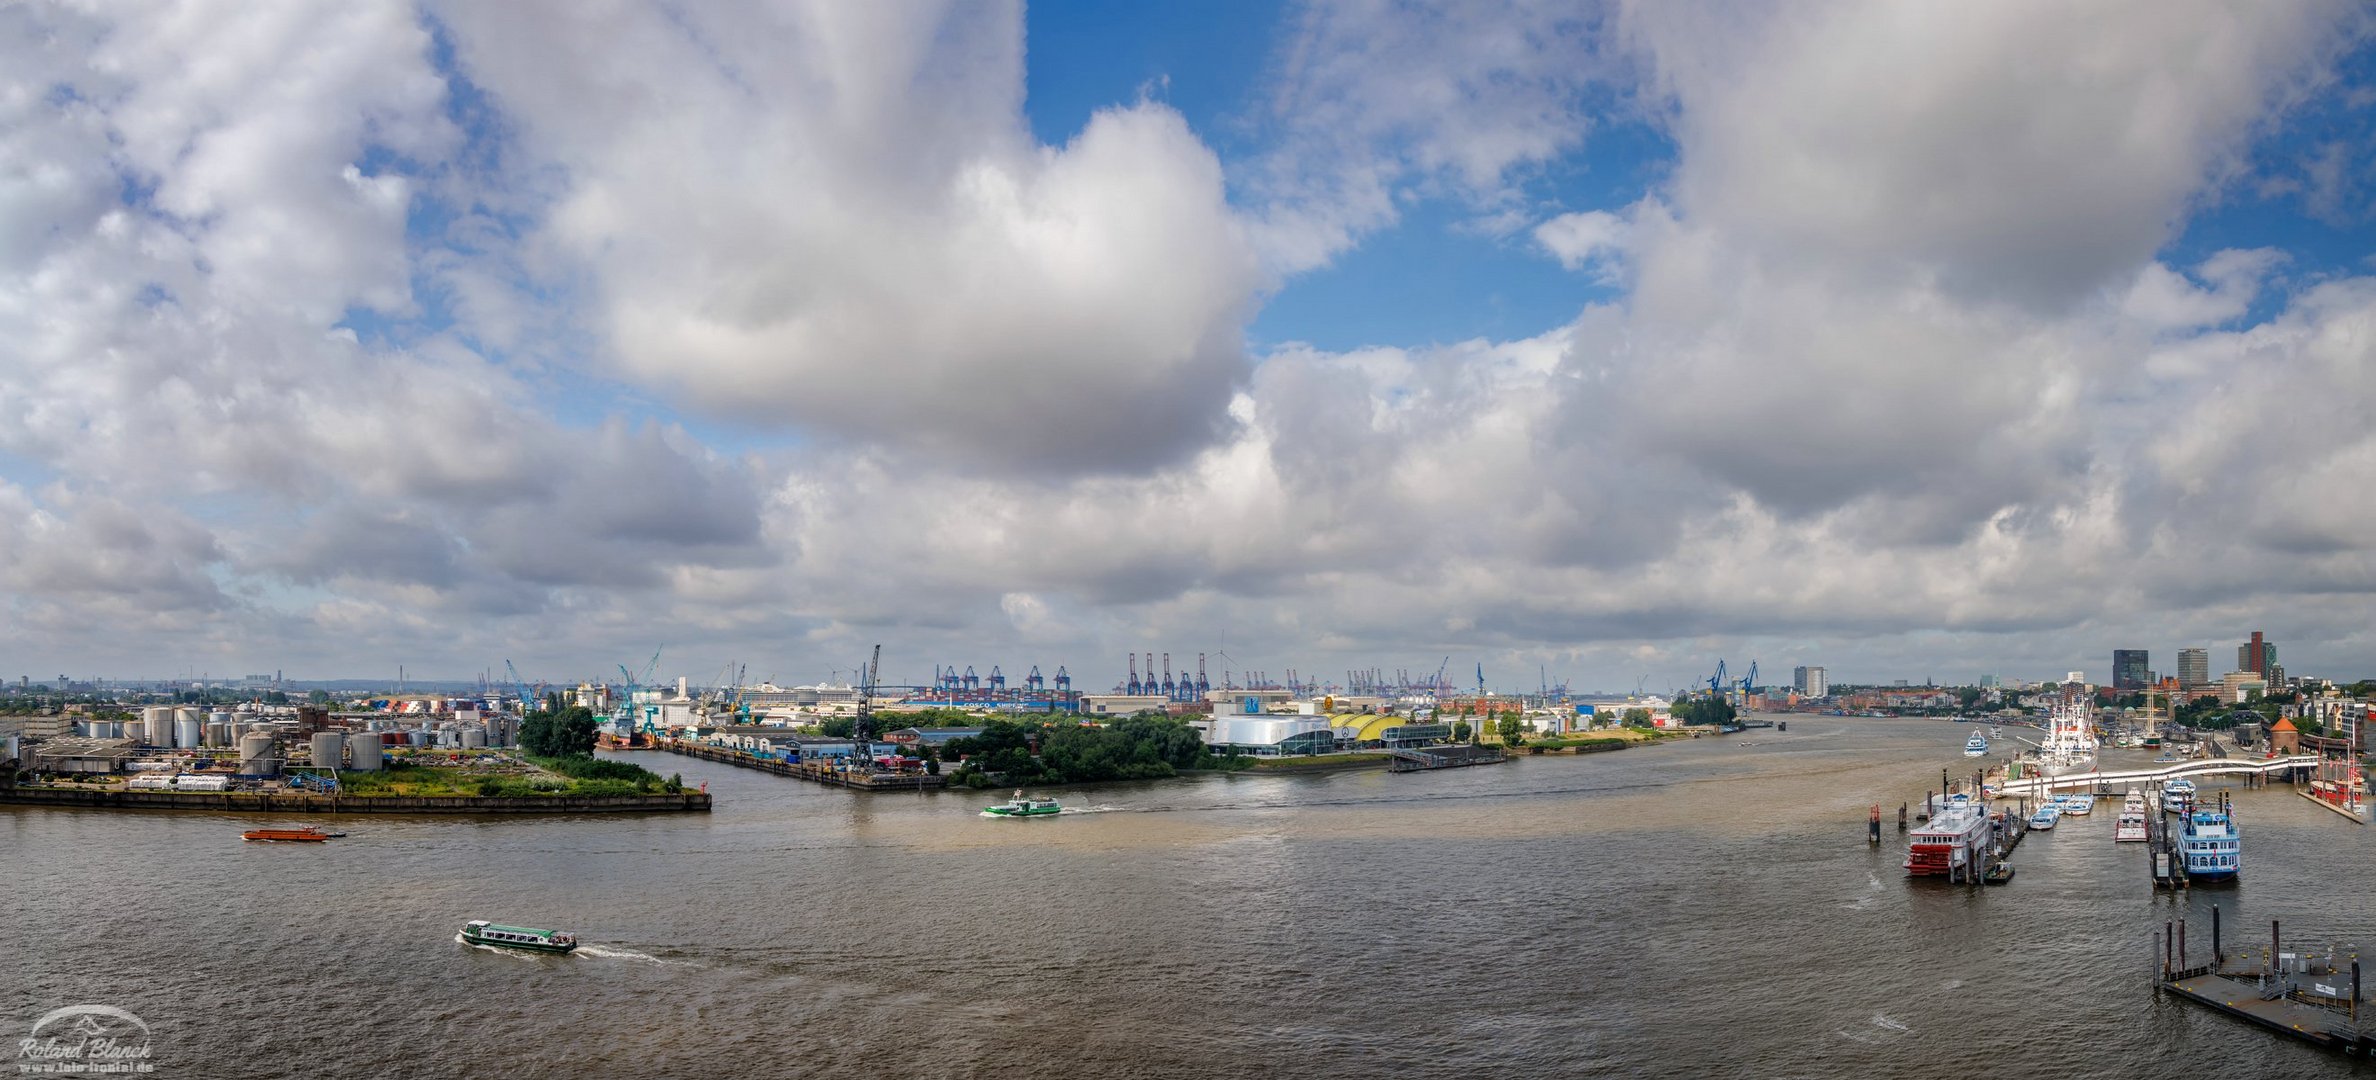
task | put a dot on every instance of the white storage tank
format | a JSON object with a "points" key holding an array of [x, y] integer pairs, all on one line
{"points": [[156, 726], [474, 738], [328, 748], [256, 756], [363, 747], [185, 730], [218, 723]]}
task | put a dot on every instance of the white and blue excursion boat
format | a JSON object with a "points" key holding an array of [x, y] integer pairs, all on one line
{"points": [[2046, 816], [2213, 848], [2178, 794], [1976, 746]]}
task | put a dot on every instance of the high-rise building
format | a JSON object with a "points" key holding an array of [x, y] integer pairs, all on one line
{"points": [[2255, 655], [2129, 669], [2194, 667], [1810, 682]]}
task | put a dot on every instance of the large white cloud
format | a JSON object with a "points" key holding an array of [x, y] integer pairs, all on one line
{"points": [[833, 216], [1877, 378]]}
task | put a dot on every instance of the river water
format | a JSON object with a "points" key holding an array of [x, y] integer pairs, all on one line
{"points": [[1700, 907]]}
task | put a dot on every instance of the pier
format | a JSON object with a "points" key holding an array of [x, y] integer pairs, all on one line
{"points": [[2108, 782], [819, 773], [2302, 995]]}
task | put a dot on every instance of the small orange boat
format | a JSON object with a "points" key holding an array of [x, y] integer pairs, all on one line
{"points": [[309, 834]]}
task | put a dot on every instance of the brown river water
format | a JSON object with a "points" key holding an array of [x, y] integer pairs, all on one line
{"points": [[1702, 907]]}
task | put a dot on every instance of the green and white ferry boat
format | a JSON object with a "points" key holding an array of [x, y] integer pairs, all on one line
{"points": [[482, 932], [1022, 807]]}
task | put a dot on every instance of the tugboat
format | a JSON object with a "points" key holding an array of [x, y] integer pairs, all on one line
{"points": [[482, 932], [1022, 807]]}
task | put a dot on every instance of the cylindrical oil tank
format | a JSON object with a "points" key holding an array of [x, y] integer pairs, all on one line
{"points": [[328, 747], [185, 730], [364, 748], [474, 738], [222, 734], [217, 722], [416, 738], [156, 726], [256, 756]]}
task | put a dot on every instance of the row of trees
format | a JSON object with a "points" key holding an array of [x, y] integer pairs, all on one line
{"points": [[1704, 709], [1143, 747], [564, 733]]}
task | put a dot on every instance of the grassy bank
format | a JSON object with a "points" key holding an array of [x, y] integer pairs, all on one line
{"points": [[494, 776]]}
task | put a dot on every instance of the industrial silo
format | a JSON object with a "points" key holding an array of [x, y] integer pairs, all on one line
{"points": [[474, 738], [328, 747], [363, 748], [256, 756], [156, 726], [185, 729], [218, 723]]}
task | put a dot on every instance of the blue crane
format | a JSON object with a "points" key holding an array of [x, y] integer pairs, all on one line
{"points": [[1748, 682], [1716, 682], [520, 687]]}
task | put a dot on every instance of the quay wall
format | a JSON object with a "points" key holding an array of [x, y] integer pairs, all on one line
{"points": [[820, 773], [309, 803]]}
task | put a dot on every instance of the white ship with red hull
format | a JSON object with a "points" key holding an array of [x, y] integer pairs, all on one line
{"points": [[1951, 842]]}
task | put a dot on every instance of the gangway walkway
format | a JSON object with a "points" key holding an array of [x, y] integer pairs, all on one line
{"points": [[2039, 785]]}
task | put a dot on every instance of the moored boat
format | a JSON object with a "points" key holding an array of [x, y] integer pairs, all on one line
{"points": [[2078, 805], [1022, 807], [482, 932], [2045, 816], [2131, 826], [2211, 844], [2178, 794], [1950, 841]]}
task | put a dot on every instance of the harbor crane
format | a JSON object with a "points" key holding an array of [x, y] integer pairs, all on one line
{"points": [[1746, 683], [520, 687], [862, 728], [1716, 682]]}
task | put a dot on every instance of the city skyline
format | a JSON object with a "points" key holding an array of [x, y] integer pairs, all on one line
{"points": [[1602, 342]]}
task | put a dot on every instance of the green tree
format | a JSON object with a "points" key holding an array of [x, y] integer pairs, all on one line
{"points": [[1967, 696], [1637, 717], [1461, 731], [1511, 729]]}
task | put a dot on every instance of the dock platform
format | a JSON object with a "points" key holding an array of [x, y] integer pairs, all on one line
{"points": [[2299, 993], [1459, 755]]}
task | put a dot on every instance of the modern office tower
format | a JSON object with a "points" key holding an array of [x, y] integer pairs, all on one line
{"points": [[1810, 682], [2129, 669], [2194, 667]]}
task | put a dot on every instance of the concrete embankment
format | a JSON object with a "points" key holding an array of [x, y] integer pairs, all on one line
{"points": [[293, 803]]}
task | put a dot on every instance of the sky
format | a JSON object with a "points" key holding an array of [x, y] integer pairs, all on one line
{"points": [[1580, 342]]}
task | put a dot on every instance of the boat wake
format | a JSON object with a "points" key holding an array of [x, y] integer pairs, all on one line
{"points": [[1881, 1020], [608, 953], [1093, 809]]}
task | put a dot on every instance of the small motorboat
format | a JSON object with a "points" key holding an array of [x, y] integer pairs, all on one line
{"points": [[2045, 817], [305, 835], [1022, 807]]}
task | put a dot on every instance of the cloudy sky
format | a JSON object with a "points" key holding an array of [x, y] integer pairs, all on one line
{"points": [[1602, 340]]}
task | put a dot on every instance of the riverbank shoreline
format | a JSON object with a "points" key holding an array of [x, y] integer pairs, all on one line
{"points": [[248, 802]]}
